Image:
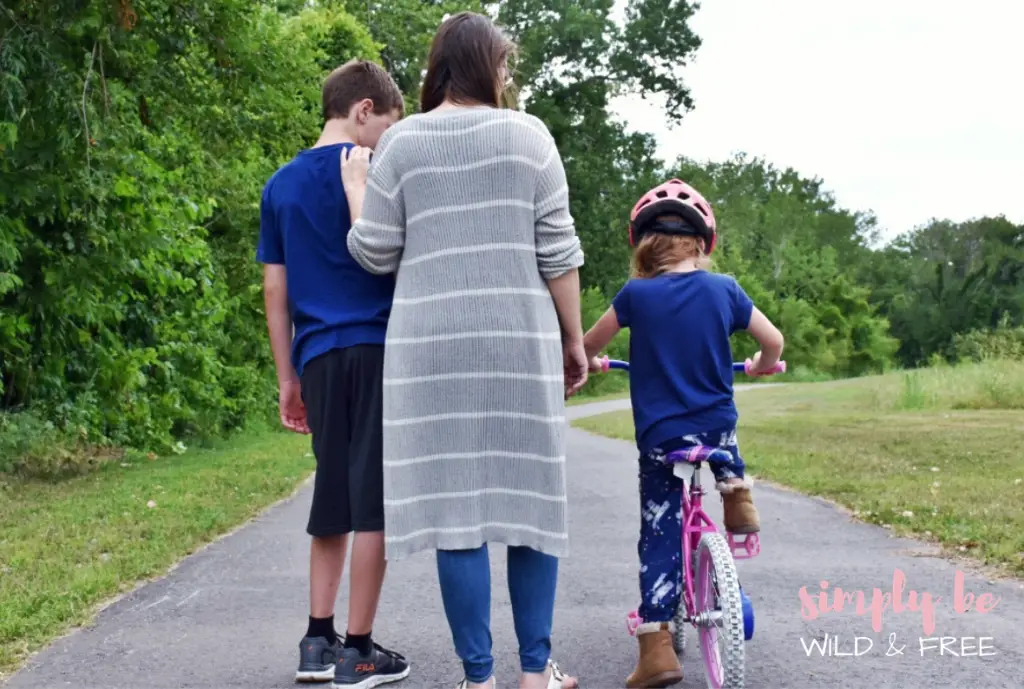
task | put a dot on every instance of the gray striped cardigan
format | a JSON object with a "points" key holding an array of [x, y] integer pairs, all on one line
{"points": [[470, 207]]}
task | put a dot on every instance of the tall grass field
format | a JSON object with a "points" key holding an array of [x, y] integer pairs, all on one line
{"points": [[933, 453]]}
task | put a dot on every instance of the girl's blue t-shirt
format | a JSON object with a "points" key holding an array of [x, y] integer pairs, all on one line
{"points": [[680, 359]]}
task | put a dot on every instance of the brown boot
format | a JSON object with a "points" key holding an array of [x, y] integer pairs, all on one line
{"points": [[738, 504], [658, 665]]}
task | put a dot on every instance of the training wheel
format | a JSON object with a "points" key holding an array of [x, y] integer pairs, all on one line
{"points": [[633, 622], [748, 616]]}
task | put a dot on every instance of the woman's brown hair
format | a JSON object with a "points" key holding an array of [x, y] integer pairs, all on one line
{"points": [[660, 253], [466, 57]]}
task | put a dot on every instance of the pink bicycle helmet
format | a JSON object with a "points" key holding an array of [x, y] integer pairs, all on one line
{"points": [[674, 197]]}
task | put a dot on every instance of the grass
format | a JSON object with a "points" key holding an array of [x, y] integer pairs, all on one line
{"points": [[932, 453], [588, 399], [66, 547]]}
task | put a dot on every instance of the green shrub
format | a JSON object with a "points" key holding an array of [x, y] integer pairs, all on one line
{"points": [[132, 162], [31, 446], [1002, 342]]}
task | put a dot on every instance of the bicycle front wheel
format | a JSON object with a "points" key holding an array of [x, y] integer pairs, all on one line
{"points": [[680, 619], [719, 614]]}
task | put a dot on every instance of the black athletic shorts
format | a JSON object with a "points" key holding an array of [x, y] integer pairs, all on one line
{"points": [[342, 391]]}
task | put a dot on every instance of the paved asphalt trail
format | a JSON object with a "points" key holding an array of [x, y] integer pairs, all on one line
{"points": [[232, 615]]}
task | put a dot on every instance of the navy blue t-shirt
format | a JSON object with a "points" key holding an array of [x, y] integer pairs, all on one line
{"points": [[680, 360], [304, 224]]}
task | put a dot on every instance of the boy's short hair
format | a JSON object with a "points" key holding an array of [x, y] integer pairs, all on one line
{"points": [[356, 80]]}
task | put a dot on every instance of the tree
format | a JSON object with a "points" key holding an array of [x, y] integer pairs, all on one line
{"points": [[574, 59], [136, 141], [945, 279], [404, 29], [796, 254]]}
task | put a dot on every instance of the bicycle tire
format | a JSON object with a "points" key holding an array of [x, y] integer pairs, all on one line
{"points": [[726, 583], [679, 634], [679, 637]]}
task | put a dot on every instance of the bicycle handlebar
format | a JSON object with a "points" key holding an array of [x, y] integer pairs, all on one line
{"points": [[738, 366]]}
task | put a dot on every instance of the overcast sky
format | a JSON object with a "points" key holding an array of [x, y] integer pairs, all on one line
{"points": [[911, 108]]}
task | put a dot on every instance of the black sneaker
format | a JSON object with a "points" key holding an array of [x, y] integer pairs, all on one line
{"points": [[317, 658], [381, 666]]}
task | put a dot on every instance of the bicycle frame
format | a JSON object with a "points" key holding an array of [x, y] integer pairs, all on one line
{"points": [[726, 617], [695, 524], [695, 521]]}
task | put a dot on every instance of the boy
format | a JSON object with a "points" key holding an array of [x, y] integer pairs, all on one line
{"points": [[330, 371]]}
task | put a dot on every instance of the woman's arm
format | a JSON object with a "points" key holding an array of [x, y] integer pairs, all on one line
{"points": [[559, 258], [565, 291], [558, 247], [559, 255], [377, 238], [355, 166]]}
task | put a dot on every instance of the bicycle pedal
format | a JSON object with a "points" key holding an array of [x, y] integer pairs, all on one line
{"points": [[744, 546]]}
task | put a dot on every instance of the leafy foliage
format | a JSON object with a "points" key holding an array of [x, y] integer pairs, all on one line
{"points": [[1004, 343], [947, 279], [136, 140], [791, 248], [136, 136]]}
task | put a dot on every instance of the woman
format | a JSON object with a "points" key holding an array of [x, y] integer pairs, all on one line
{"points": [[469, 204]]}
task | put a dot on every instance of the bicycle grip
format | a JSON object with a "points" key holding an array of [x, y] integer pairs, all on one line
{"points": [[744, 367], [739, 366], [607, 363]]}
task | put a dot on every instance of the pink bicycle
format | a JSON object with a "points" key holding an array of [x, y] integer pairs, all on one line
{"points": [[713, 601]]}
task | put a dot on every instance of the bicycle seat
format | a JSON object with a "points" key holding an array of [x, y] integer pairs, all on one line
{"points": [[696, 454]]}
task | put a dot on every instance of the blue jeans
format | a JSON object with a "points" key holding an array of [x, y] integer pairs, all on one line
{"points": [[465, 577], [660, 546]]}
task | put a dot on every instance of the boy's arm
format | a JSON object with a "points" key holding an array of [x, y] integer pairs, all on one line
{"points": [[279, 325], [271, 254], [279, 321]]}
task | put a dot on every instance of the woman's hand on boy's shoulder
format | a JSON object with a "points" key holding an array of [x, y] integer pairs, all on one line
{"points": [[355, 162]]}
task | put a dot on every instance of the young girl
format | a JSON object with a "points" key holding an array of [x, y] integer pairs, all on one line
{"points": [[680, 318]]}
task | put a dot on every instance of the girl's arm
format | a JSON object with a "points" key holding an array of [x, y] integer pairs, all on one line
{"points": [[770, 339], [598, 337]]}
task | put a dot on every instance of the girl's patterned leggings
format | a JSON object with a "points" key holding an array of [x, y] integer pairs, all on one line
{"points": [[660, 545]]}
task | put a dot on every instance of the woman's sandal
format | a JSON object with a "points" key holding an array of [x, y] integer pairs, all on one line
{"points": [[557, 677]]}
